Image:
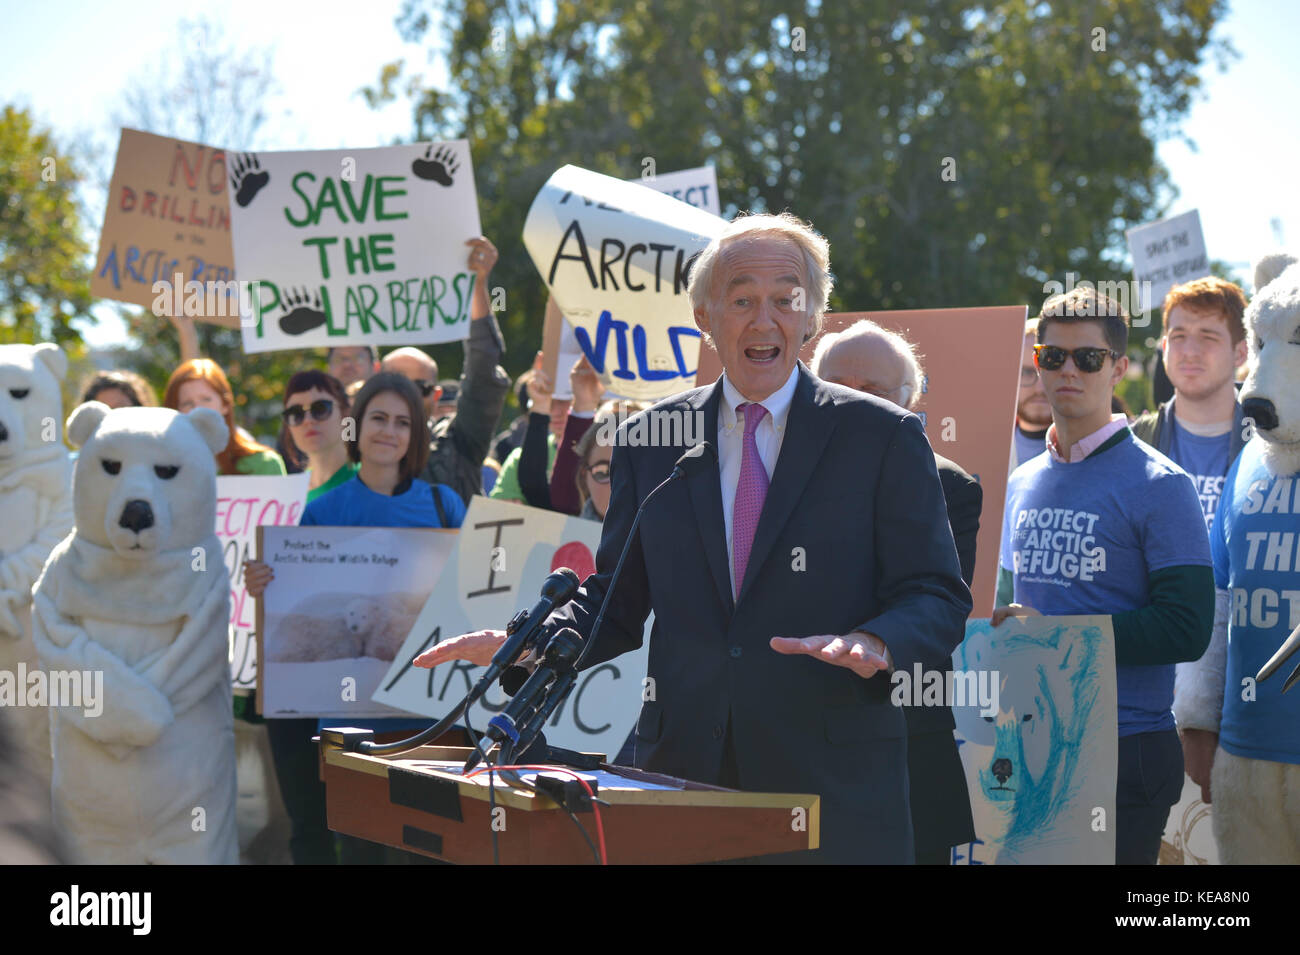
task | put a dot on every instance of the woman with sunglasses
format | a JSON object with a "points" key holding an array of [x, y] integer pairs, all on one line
{"points": [[315, 405]]}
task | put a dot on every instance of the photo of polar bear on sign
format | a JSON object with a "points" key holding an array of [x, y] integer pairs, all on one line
{"points": [[1233, 689], [345, 601]]}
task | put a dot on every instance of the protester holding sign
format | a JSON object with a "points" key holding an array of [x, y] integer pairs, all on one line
{"points": [[1103, 523], [201, 382]]}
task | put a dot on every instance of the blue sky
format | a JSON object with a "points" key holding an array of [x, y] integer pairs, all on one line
{"points": [[68, 62]]}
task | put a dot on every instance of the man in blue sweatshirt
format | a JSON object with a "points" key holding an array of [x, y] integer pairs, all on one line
{"points": [[1104, 524]]}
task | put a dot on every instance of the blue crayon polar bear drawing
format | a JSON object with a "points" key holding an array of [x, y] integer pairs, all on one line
{"points": [[139, 591], [1038, 769], [1255, 542], [36, 504]]}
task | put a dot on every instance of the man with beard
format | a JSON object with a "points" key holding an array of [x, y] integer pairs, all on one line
{"points": [[1033, 413]]}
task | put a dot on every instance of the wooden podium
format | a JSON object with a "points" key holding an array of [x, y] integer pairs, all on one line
{"points": [[420, 802]]}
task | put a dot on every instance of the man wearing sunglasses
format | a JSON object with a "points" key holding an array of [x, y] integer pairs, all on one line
{"points": [[1104, 524]]}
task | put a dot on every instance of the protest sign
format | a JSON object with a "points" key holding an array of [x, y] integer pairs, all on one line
{"points": [[695, 187], [355, 246], [1041, 772], [1167, 253], [616, 258], [504, 553], [971, 360], [342, 603], [167, 214], [243, 505]]}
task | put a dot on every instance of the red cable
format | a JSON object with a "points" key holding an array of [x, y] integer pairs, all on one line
{"points": [[600, 827]]}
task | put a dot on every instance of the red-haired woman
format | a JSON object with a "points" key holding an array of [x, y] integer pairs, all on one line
{"points": [[201, 381]]}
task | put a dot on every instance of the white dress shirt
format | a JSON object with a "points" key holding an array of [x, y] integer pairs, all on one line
{"points": [[731, 443]]}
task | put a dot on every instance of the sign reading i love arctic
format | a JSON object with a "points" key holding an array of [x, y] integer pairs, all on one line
{"points": [[356, 246]]}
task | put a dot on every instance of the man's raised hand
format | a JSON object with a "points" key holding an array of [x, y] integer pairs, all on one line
{"points": [[477, 647]]}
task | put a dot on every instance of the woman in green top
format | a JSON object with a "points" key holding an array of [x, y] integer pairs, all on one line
{"points": [[315, 405], [201, 382]]}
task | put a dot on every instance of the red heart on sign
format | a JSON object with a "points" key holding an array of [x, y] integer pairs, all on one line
{"points": [[576, 556]]}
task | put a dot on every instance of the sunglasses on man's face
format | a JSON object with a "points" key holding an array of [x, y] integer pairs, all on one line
{"points": [[319, 410], [599, 473], [1050, 357], [426, 387]]}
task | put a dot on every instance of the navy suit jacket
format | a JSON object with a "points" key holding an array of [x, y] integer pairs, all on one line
{"points": [[853, 536]]}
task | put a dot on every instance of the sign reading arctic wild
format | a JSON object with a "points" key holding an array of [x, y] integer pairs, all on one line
{"points": [[355, 246], [616, 257], [167, 213]]}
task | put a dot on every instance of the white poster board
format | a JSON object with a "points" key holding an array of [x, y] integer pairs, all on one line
{"points": [[1166, 253], [342, 602], [245, 503], [355, 246], [504, 553], [616, 257], [1042, 772]]}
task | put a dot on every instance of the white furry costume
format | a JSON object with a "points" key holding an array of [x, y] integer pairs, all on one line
{"points": [[36, 504], [1256, 789], [145, 600]]}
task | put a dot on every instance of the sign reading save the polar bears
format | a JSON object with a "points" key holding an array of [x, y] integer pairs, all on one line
{"points": [[355, 246], [1041, 772], [504, 553], [245, 503], [343, 600], [616, 257]]}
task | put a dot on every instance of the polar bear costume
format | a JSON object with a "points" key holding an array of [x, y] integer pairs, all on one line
{"points": [[1256, 789], [139, 591], [36, 503]]}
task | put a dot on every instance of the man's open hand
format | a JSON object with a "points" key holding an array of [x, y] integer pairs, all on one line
{"points": [[477, 647], [863, 653]]}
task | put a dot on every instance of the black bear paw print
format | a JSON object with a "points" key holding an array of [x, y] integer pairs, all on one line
{"points": [[301, 311], [247, 177], [439, 166]]}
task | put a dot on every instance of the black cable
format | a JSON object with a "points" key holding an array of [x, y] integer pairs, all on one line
{"points": [[492, 790]]}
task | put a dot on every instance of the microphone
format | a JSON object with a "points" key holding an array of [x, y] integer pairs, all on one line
{"points": [[693, 461], [557, 659], [524, 628]]}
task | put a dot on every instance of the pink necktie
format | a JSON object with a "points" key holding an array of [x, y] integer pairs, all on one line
{"points": [[750, 494]]}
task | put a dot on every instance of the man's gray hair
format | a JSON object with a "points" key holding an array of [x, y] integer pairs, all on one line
{"points": [[910, 390], [816, 257]]}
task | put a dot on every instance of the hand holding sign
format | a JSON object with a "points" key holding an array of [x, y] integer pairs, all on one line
{"points": [[585, 385]]}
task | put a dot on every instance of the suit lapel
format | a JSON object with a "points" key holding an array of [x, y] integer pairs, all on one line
{"points": [[806, 434], [705, 488]]}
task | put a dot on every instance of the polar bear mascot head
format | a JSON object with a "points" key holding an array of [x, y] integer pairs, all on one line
{"points": [[1271, 394], [35, 492]]}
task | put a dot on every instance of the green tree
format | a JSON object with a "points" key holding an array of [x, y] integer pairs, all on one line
{"points": [[44, 271], [961, 155]]}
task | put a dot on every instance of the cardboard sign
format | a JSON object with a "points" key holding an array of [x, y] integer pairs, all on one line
{"points": [[243, 505], [695, 187], [1167, 253], [355, 246], [616, 258], [1039, 769], [504, 553], [342, 603], [167, 213], [971, 360]]}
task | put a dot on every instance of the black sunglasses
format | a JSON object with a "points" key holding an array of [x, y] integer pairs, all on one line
{"points": [[426, 387], [320, 410], [599, 473], [1087, 360]]}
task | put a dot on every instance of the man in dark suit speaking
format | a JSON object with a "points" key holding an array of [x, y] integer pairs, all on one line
{"points": [[814, 554]]}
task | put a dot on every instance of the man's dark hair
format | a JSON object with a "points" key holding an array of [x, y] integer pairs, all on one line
{"points": [[417, 453], [1087, 305]]}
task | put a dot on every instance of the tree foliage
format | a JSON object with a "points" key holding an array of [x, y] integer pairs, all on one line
{"points": [[1045, 117]]}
